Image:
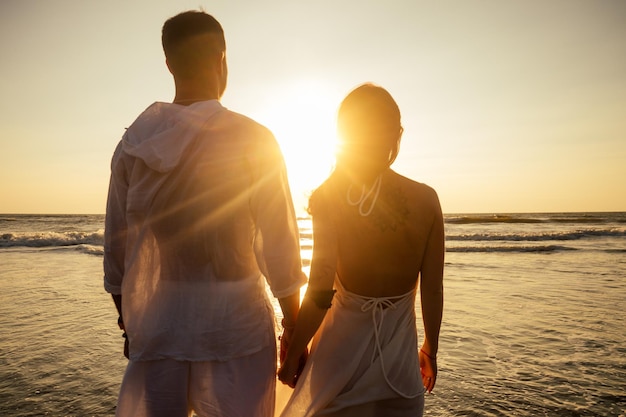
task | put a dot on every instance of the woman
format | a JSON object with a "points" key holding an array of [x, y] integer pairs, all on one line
{"points": [[375, 232]]}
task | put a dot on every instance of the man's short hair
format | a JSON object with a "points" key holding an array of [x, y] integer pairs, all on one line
{"points": [[184, 60]]}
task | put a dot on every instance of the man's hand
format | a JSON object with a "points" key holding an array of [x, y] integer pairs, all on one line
{"points": [[125, 346], [120, 324]]}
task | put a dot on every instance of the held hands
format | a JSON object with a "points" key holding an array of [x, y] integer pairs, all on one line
{"points": [[428, 367], [290, 369]]}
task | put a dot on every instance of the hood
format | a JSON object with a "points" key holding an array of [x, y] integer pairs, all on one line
{"points": [[163, 132]]}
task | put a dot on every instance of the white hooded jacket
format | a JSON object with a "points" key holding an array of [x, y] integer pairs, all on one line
{"points": [[198, 212]]}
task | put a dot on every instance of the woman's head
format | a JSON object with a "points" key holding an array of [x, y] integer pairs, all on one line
{"points": [[369, 131]]}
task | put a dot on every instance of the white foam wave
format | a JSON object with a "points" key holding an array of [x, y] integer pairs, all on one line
{"points": [[538, 237], [510, 249], [51, 239]]}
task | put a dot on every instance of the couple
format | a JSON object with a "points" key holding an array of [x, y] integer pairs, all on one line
{"points": [[199, 217]]}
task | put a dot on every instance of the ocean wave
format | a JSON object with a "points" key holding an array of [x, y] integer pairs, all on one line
{"points": [[5, 219], [90, 250], [51, 239], [85, 249], [537, 237], [510, 249], [615, 250], [572, 218], [491, 219]]}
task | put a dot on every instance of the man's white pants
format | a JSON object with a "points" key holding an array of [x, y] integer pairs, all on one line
{"points": [[241, 387]]}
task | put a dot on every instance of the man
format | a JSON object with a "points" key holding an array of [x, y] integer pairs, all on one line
{"points": [[199, 212]]}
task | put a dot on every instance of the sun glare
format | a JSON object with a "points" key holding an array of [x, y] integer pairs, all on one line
{"points": [[302, 117]]}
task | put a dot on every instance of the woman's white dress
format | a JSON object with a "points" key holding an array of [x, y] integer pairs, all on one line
{"points": [[364, 352]]}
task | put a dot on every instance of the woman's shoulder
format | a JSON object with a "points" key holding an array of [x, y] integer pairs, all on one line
{"points": [[414, 188], [323, 196]]}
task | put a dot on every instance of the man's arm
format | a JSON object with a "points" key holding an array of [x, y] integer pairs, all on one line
{"points": [[115, 233], [117, 299], [290, 306], [277, 244], [115, 227]]}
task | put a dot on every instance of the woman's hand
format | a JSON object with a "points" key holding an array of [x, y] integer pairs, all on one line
{"points": [[428, 368]]}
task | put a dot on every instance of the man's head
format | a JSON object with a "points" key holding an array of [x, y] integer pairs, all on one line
{"points": [[369, 130], [195, 47]]}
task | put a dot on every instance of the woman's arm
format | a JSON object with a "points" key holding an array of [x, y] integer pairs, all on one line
{"points": [[431, 296], [321, 281]]}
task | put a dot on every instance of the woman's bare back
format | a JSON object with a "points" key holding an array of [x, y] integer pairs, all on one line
{"points": [[381, 254]]}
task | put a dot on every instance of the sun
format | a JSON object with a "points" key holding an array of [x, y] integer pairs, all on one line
{"points": [[302, 117]]}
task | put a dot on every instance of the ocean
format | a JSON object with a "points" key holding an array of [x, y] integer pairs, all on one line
{"points": [[534, 319]]}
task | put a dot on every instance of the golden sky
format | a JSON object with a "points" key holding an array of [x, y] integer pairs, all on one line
{"points": [[516, 106]]}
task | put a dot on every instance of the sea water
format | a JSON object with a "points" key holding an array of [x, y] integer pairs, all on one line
{"points": [[534, 319]]}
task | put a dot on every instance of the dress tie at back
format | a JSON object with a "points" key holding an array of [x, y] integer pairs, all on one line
{"points": [[377, 305]]}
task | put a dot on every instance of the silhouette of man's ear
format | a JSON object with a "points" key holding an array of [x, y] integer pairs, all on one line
{"points": [[223, 74], [168, 66], [222, 63]]}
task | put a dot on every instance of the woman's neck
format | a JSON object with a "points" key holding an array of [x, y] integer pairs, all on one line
{"points": [[366, 178]]}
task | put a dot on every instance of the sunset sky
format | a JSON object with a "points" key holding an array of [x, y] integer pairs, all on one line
{"points": [[507, 106]]}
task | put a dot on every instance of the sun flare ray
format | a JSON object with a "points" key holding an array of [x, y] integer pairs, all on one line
{"points": [[302, 117]]}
